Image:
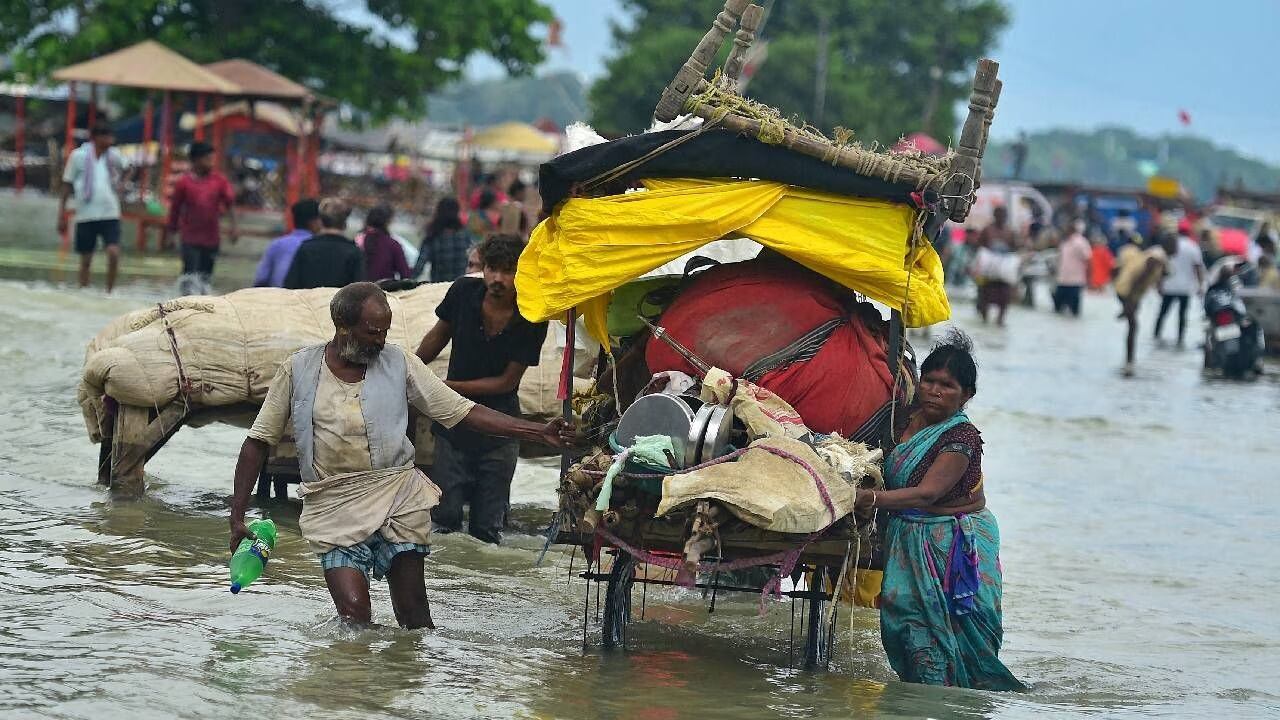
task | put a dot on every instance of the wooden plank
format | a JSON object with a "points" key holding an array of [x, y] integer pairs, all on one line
{"points": [[968, 159], [747, 26], [694, 70]]}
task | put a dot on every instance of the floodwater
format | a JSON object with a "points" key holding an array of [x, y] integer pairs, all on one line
{"points": [[1140, 556]]}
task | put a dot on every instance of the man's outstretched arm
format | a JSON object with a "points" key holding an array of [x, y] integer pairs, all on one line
{"points": [[557, 433]]}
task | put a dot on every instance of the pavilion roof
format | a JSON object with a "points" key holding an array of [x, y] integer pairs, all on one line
{"points": [[254, 80], [151, 66]]}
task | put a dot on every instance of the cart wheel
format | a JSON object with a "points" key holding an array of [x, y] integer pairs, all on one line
{"points": [[817, 639], [617, 600]]}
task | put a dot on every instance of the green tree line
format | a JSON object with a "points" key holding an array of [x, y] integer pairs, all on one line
{"points": [[1120, 157], [891, 68], [381, 73]]}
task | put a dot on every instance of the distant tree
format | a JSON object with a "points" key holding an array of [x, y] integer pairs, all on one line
{"points": [[559, 97], [383, 74], [1117, 156], [891, 68]]}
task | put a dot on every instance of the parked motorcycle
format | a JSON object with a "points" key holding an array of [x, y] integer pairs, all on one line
{"points": [[1234, 341]]}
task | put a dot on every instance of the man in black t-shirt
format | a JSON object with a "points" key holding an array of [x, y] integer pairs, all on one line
{"points": [[492, 347], [329, 258]]}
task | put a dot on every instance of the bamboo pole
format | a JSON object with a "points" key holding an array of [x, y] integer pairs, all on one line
{"points": [[794, 140], [565, 391]]}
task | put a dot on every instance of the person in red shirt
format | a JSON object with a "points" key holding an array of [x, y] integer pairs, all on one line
{"points": [[199, 200]]}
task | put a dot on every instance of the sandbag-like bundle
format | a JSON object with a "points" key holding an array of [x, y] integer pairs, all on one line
{"points": [[787, 330], [229, 348], [778, 484]]}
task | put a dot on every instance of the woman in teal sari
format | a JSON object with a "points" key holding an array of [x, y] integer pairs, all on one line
{"points": [[940, 618]]}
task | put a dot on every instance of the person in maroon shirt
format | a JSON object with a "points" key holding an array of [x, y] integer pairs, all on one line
{"points": [[383, 257], [199, 199]]}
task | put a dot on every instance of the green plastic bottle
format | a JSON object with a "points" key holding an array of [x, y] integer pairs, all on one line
{"points": [[252, 555]]}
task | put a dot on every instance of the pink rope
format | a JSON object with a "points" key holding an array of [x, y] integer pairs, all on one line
{"points": [[785, 559]]}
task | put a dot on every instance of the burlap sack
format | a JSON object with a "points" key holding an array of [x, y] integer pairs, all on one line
{"points": [[230, 347]]}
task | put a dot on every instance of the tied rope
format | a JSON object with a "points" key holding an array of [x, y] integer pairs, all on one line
{"points": [[184, 383], [719, 99], [917, 230], [813, 473]]}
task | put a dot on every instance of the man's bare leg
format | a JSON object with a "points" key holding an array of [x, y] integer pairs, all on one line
{"points": [[349, 589], [409, 591], [113, 265], [86, 259]]}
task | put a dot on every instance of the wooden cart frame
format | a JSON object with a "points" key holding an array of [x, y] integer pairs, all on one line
{"points": [[822, 557]]}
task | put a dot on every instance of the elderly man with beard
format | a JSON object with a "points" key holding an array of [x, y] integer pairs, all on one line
{"points": [[366, 507]]}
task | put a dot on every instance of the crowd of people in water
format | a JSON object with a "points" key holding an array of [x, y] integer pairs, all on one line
{"points": [[368, 512], [1178, 261]]}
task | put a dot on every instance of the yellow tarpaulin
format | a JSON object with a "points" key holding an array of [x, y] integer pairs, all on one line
{"points": [[592, 245]]}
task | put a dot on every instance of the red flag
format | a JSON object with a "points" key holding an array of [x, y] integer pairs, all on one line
{"points": [[1184, 117], [553, 33]]}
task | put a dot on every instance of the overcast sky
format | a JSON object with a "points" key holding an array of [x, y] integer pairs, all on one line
{"points": [[1086, 63]]}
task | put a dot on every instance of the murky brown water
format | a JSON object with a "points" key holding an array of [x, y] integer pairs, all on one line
{"points": [[1141, 553]]}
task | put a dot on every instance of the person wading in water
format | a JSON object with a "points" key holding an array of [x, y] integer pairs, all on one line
{"points": [[492, 347], [365, 505]]}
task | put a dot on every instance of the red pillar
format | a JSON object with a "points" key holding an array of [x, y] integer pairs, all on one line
{"points": [[67, 147], [290, 182], [148, 134], [166, 147], [313, 167], [20, 144], [217, 132], [93, 105], [200, 116]]}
